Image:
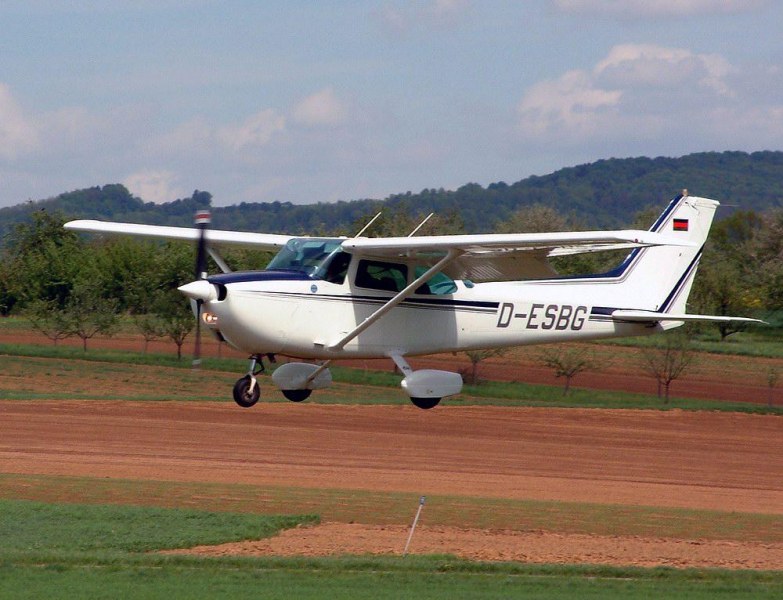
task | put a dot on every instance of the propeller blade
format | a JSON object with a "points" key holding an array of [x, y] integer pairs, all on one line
{"points": [[202, 220], [196, 364]]}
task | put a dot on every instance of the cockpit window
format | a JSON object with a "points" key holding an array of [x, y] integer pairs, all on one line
{"points": [[317, 258], [377, 275], [439, 284]]}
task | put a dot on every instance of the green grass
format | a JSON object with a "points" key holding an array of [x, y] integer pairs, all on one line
{"points": [[423, 579], [397, 507], [120, 373], [86, 551], [67, 532]]}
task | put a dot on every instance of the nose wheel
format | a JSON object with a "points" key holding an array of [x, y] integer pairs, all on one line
{"points": [[246, 389]]}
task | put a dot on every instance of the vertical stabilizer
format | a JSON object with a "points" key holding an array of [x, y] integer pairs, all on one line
{"points": [[659, 278]]}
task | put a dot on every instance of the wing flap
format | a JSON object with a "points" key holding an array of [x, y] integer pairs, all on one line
{"points": [[494, 244]]}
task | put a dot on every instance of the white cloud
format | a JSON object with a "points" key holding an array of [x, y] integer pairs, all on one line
{"points": [[569, 104], [257, 130], [154, 185], [18, 135], [632, 9], [400, 18], [447, 11], [644, 65], [647, 97], [320, 108]]}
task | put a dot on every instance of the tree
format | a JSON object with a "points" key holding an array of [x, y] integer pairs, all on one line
{"points": [[151, 327], [87, 314], [173, 267], [668, 360], [729, 279], [535, 218], [176, 318], [49, 319], [44, 260], [476, 356], [567, 361]]}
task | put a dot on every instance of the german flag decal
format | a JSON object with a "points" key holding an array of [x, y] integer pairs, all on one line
{"points": [[680, 224]]}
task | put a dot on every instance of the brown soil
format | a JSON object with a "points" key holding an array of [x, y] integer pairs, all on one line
{"points": [[530, 547], [720, 461]]}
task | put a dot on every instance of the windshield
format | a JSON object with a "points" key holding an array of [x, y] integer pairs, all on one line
{"points": [[310, 256]]}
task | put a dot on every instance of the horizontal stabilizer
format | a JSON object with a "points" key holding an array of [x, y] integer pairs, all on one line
{"points": [[646, 316]]}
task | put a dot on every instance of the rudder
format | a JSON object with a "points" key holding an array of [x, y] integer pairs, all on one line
{"points": [[659, 278]]}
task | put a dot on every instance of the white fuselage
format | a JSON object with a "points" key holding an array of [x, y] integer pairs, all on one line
{"points": [[303, 318]]}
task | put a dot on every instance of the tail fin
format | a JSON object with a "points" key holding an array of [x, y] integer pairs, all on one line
{"points": [[659, 278]]}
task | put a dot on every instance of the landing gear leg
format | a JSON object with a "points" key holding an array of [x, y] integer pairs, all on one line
{"points": [[246, 389]]}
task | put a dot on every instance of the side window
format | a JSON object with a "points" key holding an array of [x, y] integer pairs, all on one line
{"points": [[337, 268], [377, 275], [439, 285]]}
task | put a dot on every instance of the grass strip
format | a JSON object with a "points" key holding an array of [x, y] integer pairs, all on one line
{"points": [[94, 551], [371, 507], [32, 529], [353, 386], [349, 578]]}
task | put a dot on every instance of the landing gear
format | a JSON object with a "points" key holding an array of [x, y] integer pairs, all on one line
{"points": [[296, 380], [425, 403], [426, 387], [246, 389], [297, 395]]}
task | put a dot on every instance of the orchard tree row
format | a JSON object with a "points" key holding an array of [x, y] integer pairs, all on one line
{"points": [[72, 285]]}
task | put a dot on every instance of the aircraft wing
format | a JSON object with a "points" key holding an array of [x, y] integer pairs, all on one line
{"points": [[504, 257], [264, 241]]}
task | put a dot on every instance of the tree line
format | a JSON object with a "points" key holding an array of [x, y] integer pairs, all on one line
{"points": [[68, 284], [603, 194], [71, 285]]}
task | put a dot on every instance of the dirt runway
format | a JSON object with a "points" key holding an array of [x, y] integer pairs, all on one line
{"points": [[722, 461], [719, 461]]}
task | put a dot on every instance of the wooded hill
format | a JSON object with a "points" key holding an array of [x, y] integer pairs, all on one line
{"points": [[603, 194]]}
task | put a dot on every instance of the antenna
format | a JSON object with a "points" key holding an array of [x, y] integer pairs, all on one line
{"points": [[420, 225], [366, 227]]}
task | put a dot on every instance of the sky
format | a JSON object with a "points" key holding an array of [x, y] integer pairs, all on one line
{"points": [[303, 102]]}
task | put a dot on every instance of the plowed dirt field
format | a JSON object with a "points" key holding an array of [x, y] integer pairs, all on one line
{"points": [[698, 460]]}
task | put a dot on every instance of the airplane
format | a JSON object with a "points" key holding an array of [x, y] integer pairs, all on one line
{"points": [[326, 298]]}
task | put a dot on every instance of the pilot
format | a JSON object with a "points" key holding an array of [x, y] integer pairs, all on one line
{"points": [[338, 268]]}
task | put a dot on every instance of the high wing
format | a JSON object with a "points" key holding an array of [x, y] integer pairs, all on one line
{"points": [[264, 241], [507, 257]]}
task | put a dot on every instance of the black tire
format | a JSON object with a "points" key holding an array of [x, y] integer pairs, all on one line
{"points": [[242, 395], [425, 403], [297, 395]]}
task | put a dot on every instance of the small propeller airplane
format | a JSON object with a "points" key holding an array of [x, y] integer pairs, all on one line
{"points": [[322, 299]]}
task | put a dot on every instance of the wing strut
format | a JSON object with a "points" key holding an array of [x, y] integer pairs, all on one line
{"points": [[218, 260], [410, 289]]}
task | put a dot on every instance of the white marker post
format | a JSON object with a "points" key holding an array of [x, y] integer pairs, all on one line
{"points": [[413, 527]]}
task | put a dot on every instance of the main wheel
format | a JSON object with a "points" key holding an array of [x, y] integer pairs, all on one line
{"points": [[297, 395], [425, 403], [242, 394]]}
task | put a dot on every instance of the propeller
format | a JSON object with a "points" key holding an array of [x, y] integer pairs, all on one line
{"points": [[201, 221]]}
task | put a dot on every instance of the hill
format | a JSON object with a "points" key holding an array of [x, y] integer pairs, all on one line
{"points": [[606, 193]]}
